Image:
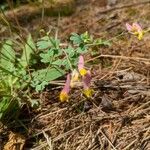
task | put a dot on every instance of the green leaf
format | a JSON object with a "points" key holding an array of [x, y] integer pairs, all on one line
{"points": [[57, 62], [46, 57], [76, 39], [27, 52], [86, 37], [55, 43], [43, 76], [4, 104], [41, 86], [48, 42], [8, 108], [44, 43], [106, 43], [66, 64], [48, 74], [70, 51], [7, 56], [102, 42], [81, 50]]}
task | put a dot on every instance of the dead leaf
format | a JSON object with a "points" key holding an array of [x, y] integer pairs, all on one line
{"points": [[15, 142], [130, 76], [106, 104]]}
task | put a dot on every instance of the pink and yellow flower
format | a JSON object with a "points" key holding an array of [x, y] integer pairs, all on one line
{"points": [[87, 91], [86, 78], [64, 95], [135, 29], [81, 68]]}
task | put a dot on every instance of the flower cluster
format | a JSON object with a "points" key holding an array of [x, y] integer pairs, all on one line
{"points": [[135, 29], [74, 78]]}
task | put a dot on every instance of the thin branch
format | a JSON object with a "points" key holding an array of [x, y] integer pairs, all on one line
{"points": [[121, 57], [48, 139], [108, 140]]}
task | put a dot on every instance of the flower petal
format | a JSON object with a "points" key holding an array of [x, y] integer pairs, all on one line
{"points": [[74, 78], [80, 63], [83, 72], [65, 91], [88, 92], [137, 26], [87, 80], [135, 29], [129, 27], [67, 84], [63, 97], [81, 68], [140, 35]]}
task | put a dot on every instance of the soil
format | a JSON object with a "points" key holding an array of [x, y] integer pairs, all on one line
{"points": [[118, 115]]}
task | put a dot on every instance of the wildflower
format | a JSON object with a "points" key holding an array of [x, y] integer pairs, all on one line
{"points": [[65, 91], [88, 92], [135, 29], [81, 68], [74, 78], [86, 78]]}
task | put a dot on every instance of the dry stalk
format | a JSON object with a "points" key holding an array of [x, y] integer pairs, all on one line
{"points": [[109, 141]]}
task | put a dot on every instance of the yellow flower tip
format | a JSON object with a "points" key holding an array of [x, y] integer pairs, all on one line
{"points": [[88, 92], [140, 36], [83, 72], [63, 97]]}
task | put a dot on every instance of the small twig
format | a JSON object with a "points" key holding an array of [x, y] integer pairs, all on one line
{"points": [[67, 133], [108, 139], [116, 136], [83, 141], [120, 57], [128, 146], [141, 107], [146, 135], [112, 70], [48, 139]]}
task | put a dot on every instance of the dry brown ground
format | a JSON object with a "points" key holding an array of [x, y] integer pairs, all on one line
{"points": [[118, 116]]}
